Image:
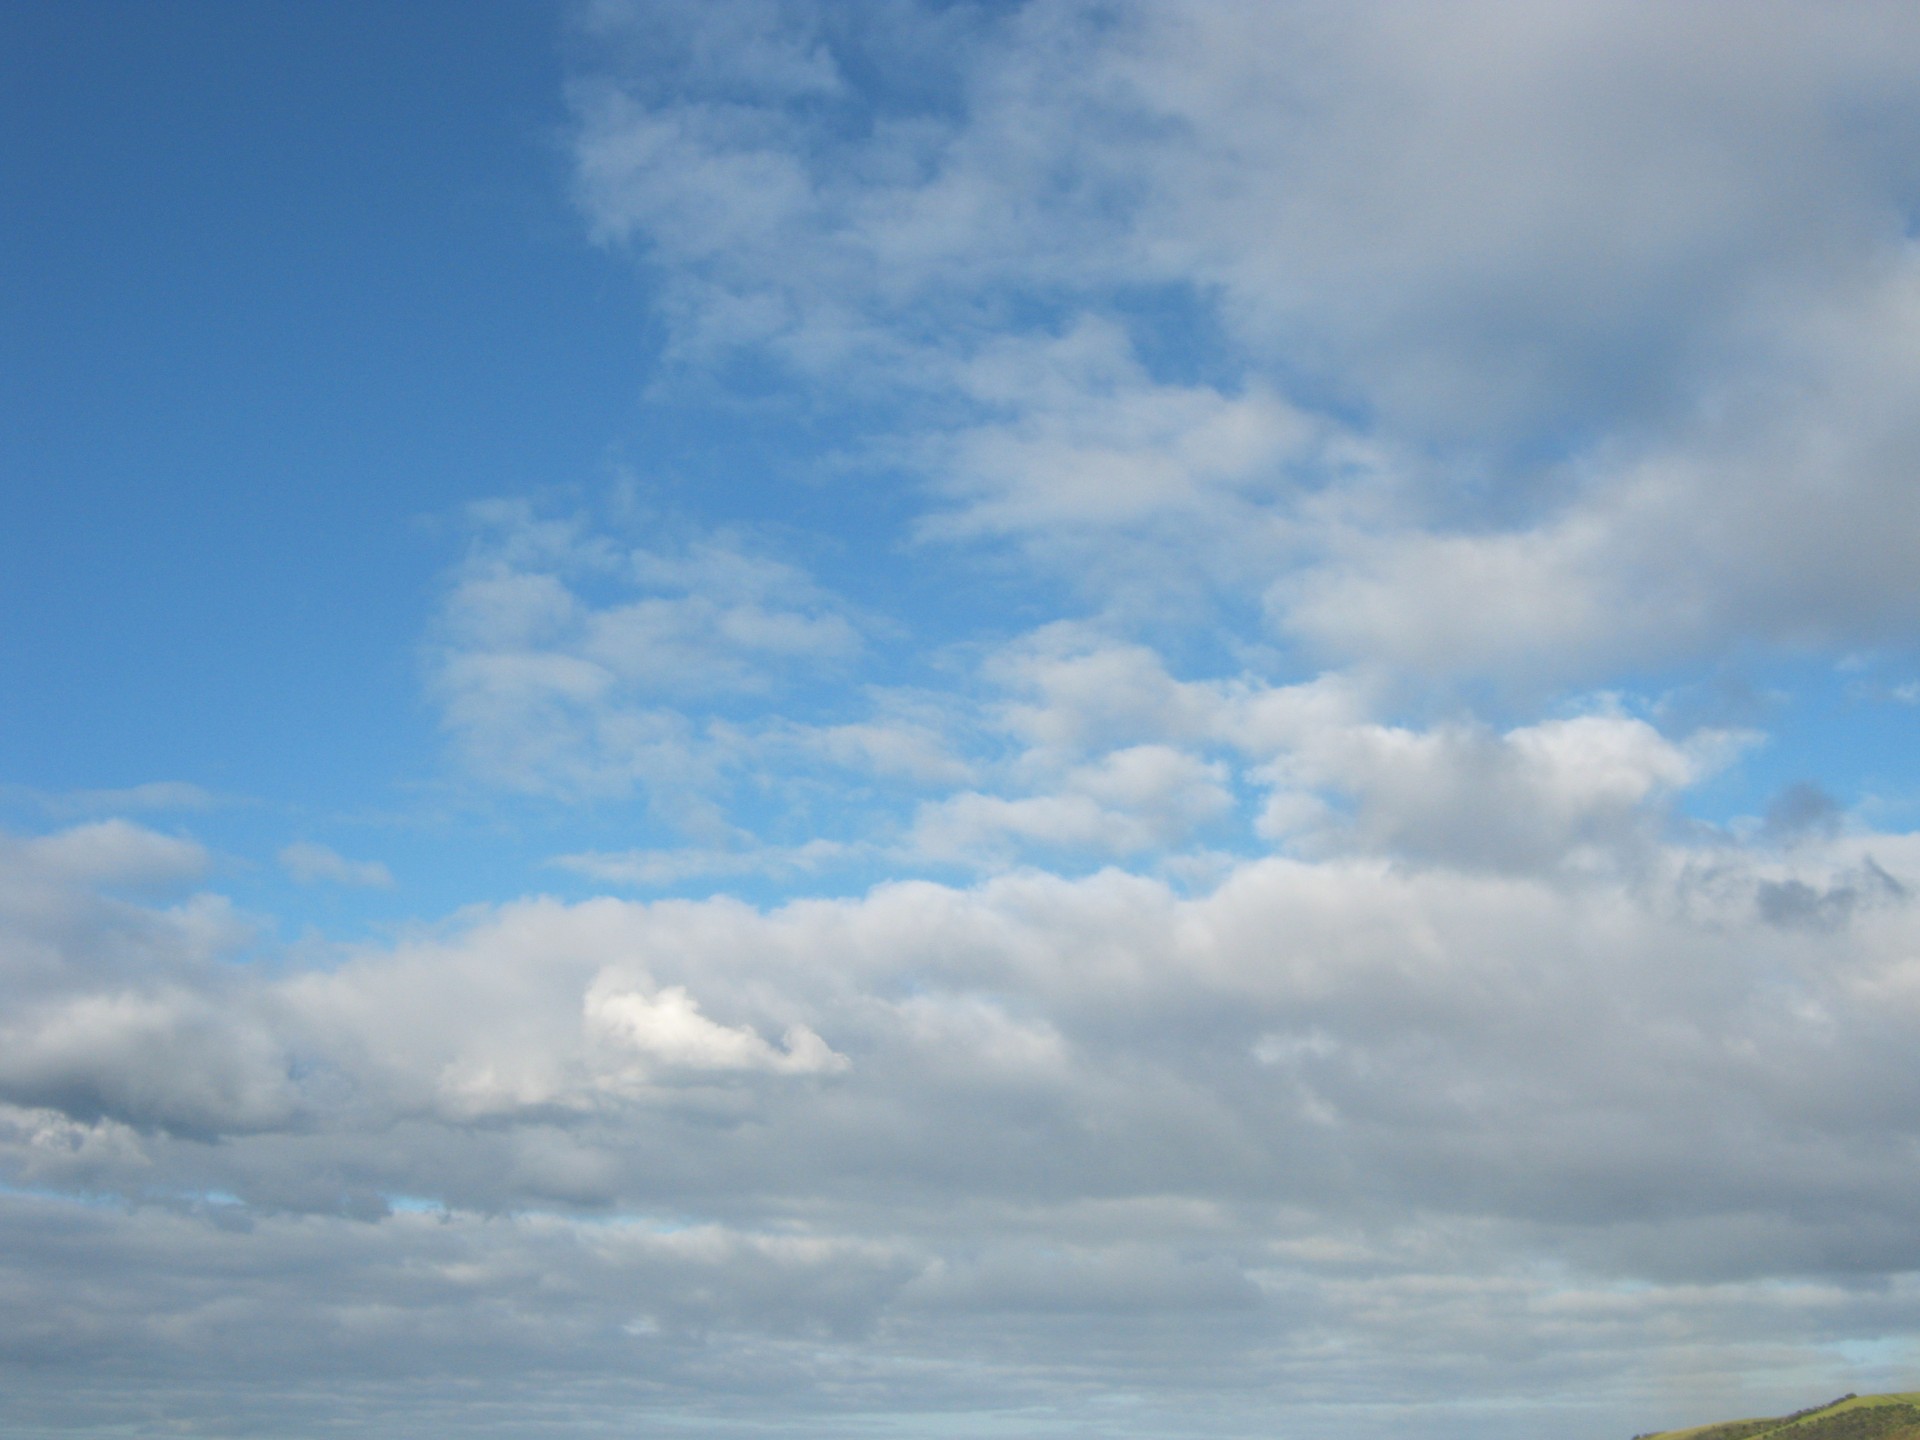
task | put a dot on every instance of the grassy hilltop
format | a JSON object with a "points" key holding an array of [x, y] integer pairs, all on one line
{"points": [[1853, 1417]]}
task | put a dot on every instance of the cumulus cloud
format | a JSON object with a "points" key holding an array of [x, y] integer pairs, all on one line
{"points": [[147, 1057], [1540, 794], [1776, 512], [667, 1030], [918, 1125], [120, 1011], [116, 851]]}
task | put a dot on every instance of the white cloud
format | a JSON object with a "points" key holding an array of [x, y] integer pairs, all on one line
{"points": [[117, 852], [154, 795], [1779, 513], [648, 869], [1344, 1085], [150, 1057], [1582, 789], [917, 1127], [1670, 246], [1083, 439], [1130, 800], [667, 1031], [565, 657], [309, 864], [909, 746]]}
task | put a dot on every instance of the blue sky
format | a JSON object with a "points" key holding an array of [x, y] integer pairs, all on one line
{"points": [[957, 720]]}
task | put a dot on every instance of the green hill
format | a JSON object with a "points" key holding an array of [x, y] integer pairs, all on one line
{"points": [[1851, 1417]]}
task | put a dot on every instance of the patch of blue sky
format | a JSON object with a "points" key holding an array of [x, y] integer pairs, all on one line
{"points": [[414, 1205], [55, 1198], [263, 351], [1845, 727]]}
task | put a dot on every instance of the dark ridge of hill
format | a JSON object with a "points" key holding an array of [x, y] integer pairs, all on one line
{"points": [[1851, 1417]]}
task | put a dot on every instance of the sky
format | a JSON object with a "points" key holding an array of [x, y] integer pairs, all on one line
{"points": [[957, 721]]}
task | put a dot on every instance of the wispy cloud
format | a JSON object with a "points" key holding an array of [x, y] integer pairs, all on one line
{"points": [[155, 795], [659, 869], [568, 662], [309, 864]]}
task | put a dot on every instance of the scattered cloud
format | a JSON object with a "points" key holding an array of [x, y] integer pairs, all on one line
{"points": [[660, 869], [311, 864], [154, 795], [565, 657], [1140, 798], [116, 852], [1697, 304]]}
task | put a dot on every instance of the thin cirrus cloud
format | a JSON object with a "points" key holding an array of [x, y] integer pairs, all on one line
{"points": [[1223, 935]]}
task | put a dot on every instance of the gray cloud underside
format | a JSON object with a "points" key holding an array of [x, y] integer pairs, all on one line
{"points": [[869, 1155]]}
